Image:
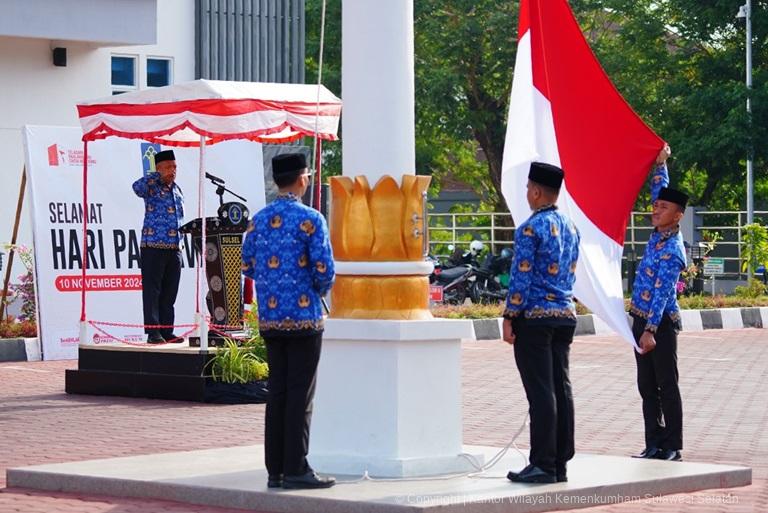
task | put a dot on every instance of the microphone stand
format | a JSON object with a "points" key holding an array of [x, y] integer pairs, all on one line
{"points": [[220, 190]]}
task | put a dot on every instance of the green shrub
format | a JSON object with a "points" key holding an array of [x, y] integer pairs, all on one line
{"points": [[755, 250], [254, 343], [754, 289], [702, 302], [474, 311], [471, 311], [237, 364]]}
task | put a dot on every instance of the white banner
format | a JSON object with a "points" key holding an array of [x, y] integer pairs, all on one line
{"points": [[54, 159]]}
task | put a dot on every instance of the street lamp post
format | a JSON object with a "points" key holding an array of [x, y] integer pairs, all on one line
{"points": [[745, 11]]}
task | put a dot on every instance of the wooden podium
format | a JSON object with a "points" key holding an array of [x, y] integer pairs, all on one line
{"points": [[223, 261]]}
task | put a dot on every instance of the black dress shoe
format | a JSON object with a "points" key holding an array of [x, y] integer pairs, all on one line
{"points": [[532, 474], [172, 337], [309, 480], [649, 453], [669, 455], [561, 473], [275, 481], [155, 338]]}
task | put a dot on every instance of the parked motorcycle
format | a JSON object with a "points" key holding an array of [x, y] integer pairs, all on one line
{"points": [[492, 278], [457, 275], [456, 282]]}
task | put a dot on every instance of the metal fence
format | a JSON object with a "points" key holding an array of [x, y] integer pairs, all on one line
{"points": [[493, 228]]}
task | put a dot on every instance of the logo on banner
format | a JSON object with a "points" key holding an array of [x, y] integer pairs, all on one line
{"points": [[58, 156], [55, 155], [148, 152]]}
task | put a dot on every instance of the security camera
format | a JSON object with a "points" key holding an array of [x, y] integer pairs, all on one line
{"points": [[743, 11]]}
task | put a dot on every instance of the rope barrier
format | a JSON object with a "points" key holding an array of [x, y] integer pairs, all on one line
{"points": [[218, 329], [146, 326], [140, 344]]}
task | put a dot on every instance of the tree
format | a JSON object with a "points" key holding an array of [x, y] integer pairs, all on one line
{"points": [[680, 64], [465, 54]]}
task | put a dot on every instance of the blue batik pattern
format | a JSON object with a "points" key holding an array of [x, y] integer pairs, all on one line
{"points": [[654, 293], [163, 212], [544, 268], [288, 254]]}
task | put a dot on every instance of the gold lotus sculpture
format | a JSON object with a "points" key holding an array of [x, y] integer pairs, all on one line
{"points": [[383, 224], [377, 224]]}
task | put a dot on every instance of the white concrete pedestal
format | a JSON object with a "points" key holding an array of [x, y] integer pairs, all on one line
{"points": [[388, 398]]}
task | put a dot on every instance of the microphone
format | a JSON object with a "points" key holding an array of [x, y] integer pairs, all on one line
{"points": [[213, 178]]}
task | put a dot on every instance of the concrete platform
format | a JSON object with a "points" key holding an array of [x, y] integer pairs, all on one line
{"points": [[235, 477]]}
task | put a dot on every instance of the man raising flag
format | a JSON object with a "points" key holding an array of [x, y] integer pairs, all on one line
{"points": [[565, 111]]}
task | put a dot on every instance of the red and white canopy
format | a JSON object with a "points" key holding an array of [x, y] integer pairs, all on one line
{"points": [[179, 114]]}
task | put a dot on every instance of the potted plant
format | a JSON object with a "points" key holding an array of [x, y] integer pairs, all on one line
{"points": [[238, 373]]}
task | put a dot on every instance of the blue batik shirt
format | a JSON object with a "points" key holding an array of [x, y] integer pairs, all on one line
{"points": [[544, 269], [163, 212], [288, 254], [654, 293]]}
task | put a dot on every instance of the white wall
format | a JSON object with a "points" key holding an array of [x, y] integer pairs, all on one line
{"points": [[35, 92], [104, 21]]}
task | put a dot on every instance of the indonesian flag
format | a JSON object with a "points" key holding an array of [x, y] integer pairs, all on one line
{"points": [[565, 111]]}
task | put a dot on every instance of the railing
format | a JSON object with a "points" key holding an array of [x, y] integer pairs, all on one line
{"points": [[495, 230]]}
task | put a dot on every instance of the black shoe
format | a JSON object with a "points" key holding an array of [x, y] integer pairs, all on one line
{"points": [[307, 481], [275, 481], [155, 338], [532, 474], [669, 455], [649, 453], [172, 338], [561, 473]]}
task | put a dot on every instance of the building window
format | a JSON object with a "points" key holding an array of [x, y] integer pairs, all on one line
{"points": [[123, 73], [158, 72]]}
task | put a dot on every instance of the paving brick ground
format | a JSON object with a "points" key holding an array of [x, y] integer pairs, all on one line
{"points": [[724, 380]]}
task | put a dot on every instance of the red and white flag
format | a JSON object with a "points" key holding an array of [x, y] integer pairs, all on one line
{"points": [[565, 111]]}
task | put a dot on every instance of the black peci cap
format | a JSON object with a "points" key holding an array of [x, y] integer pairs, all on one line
{"points": [[546, 174], [673, 196], [288, 164], [162, 156]]}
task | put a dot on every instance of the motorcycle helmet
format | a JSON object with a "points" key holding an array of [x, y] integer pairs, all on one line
{"points": [[507, 253], [476, 247]]}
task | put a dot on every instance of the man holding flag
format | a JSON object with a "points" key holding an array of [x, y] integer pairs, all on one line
{"points": [[565, 111], [656, 319]]}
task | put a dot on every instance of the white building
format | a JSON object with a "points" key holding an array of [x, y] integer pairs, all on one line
{"points": [[56, 52]]}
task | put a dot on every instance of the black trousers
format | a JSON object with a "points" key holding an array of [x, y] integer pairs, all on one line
{"points": [[541, 354], [160, 274], [657, 381], [292, 374]]}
